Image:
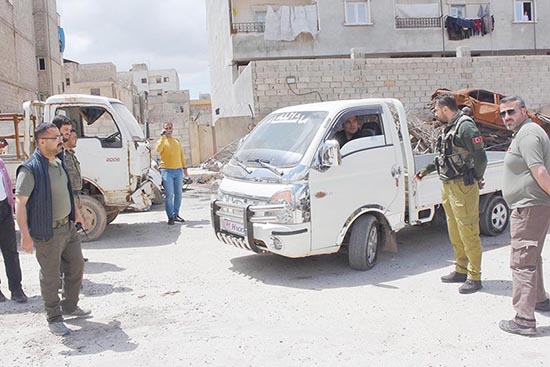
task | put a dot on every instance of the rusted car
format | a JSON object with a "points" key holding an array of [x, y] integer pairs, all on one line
{"points": [[485, 107]]}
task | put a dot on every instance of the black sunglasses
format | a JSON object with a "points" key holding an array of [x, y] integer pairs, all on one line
{"points": [[510, 112]]}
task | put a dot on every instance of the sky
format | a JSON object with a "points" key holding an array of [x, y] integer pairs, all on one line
{"points": [[164, 34]]}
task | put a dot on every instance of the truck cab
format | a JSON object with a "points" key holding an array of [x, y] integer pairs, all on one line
{"points": [[114, 155]]}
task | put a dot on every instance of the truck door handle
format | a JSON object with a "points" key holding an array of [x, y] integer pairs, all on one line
{"points": [[396, 171]]}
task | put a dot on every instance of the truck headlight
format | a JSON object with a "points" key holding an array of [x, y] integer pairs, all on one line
{"points": [[297, 204]]}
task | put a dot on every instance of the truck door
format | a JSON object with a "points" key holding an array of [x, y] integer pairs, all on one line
{"points": [[103, 158], [363, 179]]}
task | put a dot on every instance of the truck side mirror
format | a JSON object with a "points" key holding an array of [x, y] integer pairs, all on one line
{"points": [[330, 154]]}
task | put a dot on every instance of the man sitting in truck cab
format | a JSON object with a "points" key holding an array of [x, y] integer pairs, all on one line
{"points": [[351, 130]]}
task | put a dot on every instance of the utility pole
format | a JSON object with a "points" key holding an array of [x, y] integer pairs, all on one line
{"points": [[442, 27]]}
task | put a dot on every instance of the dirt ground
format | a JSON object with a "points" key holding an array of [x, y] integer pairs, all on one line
{"points": [[175, 296]]}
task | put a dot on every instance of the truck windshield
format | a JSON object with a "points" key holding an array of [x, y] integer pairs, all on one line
{"points": [[281, 139], [130, 121]]}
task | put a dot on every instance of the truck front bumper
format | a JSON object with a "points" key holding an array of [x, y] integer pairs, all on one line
{"points": [[289, 240]]}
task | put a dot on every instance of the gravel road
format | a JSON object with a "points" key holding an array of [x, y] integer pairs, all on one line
{"points": [[175, 296]]}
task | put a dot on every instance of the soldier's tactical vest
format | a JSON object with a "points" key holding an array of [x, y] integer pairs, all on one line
{"points": [[453, 161]]}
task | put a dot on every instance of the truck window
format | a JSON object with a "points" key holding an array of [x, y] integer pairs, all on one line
{"points": [[281, 139], [94, 122], [359, 125]]}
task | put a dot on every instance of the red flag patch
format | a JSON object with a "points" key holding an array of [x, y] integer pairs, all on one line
{"points": [[477, 140]]}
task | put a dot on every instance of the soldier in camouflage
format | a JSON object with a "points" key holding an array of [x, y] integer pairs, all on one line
{"points": [[461, 163]]}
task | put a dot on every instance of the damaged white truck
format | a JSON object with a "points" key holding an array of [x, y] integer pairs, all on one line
{"points": [[291, 190], [114, 154]]}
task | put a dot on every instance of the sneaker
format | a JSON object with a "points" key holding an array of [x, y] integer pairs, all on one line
{"points": [[543, 306], [510, 326], [470, 286], [19, 296], [2, 297], [59, 328], [454, 277], [170, 221], [78, 313], [177, 218]]}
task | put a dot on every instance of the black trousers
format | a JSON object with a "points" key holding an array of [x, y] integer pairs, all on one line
{"points": [[8, 245]]}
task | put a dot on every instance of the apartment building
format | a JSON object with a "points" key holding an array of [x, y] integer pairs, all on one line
{"points": [[102, 79], [265, 54], [49, 47], [154, 82], [30, 52]]}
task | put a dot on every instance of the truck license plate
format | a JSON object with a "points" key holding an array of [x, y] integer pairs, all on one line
{"points": [[233, 227]]}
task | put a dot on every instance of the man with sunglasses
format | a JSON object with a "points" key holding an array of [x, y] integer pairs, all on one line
{"points": [[526, 189], [45, 213], [460, 164]]}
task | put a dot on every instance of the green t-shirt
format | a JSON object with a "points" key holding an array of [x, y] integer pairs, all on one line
{"points": [[530, 147], [61, 201]]}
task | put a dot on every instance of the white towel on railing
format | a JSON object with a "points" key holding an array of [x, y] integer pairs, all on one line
{"points": [[288, 22], [417, 10]]}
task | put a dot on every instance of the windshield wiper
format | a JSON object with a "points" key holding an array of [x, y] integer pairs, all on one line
{"points": [[242, 165], [266, 164]]}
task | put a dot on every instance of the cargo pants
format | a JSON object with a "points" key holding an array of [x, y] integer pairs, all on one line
{"points": [[461, 204], [62, 250], [528, 227]]}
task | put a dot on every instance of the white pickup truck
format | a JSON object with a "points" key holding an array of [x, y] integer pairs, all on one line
{"points": [[114, 154], [291, 190]]}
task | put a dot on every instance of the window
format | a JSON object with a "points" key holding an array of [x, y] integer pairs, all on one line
{"points": [[166, 79], [458, 11], [524, 11], [68, 82], [143, 80], [95, 92], [41, 63], [260, 16], [159, 80], [94, 122], [357, 12]]}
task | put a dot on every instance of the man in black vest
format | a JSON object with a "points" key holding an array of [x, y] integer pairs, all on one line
{"points": [[45, 213]]}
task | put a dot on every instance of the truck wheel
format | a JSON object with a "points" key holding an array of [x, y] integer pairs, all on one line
{"points": [[95, 218], [111, 215], [157, 196], [364, 243], [494, 219]]}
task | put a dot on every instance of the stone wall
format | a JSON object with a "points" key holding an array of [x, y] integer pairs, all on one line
{"points": [[411, 80]]}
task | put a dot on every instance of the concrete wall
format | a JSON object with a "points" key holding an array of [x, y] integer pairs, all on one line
{"points": [[18, 68], [410, 80]]}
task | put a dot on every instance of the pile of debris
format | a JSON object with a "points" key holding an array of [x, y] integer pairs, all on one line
{"points": [[424, 135], [221, 158]]}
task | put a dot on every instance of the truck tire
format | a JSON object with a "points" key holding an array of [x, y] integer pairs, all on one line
{"points": [[364, 243], [95, 218], [494, 219], [111, 215]]}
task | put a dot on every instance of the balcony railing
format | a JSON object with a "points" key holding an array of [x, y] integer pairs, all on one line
{"points": [[251, 27], [401, 23]]}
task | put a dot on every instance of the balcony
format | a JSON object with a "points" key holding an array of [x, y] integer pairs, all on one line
{"points": [[414, 23], [250, 27]]}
